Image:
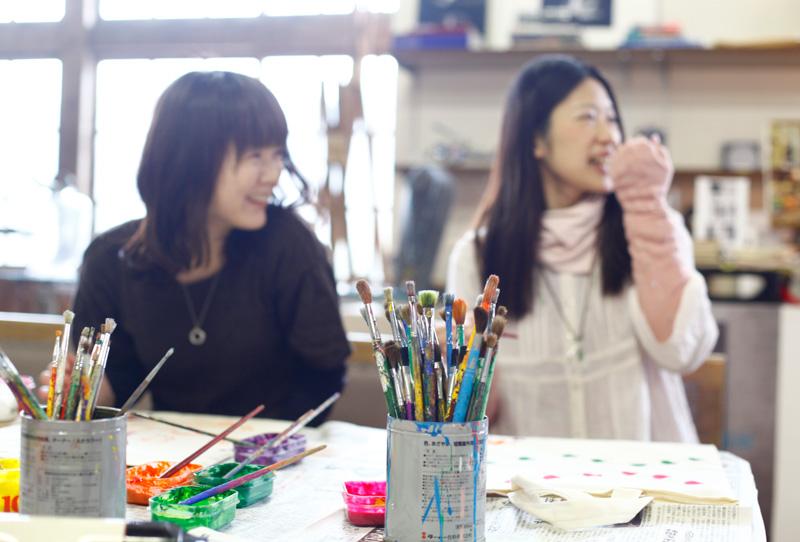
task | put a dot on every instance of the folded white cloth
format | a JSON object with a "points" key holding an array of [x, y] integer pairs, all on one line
{"points": [[576, 509]]}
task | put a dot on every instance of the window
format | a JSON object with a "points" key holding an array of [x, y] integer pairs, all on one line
{"points": [[30, 101], [198, 9], [31, 11]]}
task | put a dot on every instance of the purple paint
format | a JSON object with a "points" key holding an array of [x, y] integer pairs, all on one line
{"points": [[291, 446]]}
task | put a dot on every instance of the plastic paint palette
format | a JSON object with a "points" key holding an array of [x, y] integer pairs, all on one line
{"points": [[143, 482], [249, 493], [365, 503], [214, 512], [291, 446]]}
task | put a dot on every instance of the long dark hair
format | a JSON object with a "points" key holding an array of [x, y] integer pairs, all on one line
{"points": [[514, 201], [196, 120]]}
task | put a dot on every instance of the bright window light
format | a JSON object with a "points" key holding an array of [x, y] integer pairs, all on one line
{"points": [[30, 105], [178, 9], [198, 9], [31, 11]]}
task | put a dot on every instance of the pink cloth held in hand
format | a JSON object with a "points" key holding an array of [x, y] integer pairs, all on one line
{"points": [[641, 171]]}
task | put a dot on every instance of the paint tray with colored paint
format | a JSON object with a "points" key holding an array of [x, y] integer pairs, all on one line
{"points": [[143, 482], [365, 503], [215, 512], [249, 493], [9, 484], [292, 446]]}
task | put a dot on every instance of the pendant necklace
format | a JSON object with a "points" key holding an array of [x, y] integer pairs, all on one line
{"points": [[575, 348], [197, 335]]}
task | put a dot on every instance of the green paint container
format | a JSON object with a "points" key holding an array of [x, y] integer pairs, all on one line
{"points": [[214, 512], [249, 493]]}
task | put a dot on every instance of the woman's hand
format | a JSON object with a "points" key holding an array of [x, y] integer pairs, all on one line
{"points": [[641, 170]]}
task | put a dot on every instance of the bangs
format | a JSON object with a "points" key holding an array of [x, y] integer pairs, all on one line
{"points": [[258, 120]]}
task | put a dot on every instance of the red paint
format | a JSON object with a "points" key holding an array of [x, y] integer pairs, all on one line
{"points": [[693, 483], [365, 503], [628, 473], [550, 477], [660, 476], [592, 474]]}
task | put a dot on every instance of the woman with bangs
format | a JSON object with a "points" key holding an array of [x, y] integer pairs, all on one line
{"points": [[217, 269], [606, 309]]}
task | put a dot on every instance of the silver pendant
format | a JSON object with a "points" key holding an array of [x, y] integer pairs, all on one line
{"points": [[197, 336]]}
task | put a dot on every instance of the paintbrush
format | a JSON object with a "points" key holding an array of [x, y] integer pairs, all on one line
{"points": [[99, 368], [395, 355], [52, 370], [427, 301], [364, 291], [414, 351], [282, 437], [464, 391], [449, 299], [188, 428], [180, 464], [480, 378], [146, 382], [86, 378], [459, 350], [498, 326], [395, 366], [247, 477], [58, 399], [26, 399], [81, 357]]}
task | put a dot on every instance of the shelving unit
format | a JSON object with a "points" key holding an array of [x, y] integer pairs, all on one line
{"points": [[779, 55]]}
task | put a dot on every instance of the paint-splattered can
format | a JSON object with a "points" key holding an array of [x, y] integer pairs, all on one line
{"points": [[436, 474], [74, 468]]}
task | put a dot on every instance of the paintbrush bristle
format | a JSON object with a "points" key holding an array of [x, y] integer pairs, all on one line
{"points": [[68, 316], [488, 290], [411, 288], [502, 310], [448, 299], [393, 353], [428, 298], [405, 313], [459, 311], [364, 291], [388, 294], [481, 319], [110, 325], [442, 314], [491, 340], [499, 325], [85, 332]]}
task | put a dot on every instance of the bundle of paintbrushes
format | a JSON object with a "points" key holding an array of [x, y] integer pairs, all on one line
{"points": [[421, 380], [72, 398]]}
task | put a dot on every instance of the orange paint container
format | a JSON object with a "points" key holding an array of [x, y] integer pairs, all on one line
{"points": [[143, 482]]}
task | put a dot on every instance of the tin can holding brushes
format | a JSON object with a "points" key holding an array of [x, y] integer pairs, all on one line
{"points": [[73, 468], [436, 474]]}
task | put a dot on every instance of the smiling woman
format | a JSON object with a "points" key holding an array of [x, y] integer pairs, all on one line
{"points": [[218, 269]]}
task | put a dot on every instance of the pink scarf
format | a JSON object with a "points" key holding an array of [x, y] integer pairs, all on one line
{"points": [[569, 236]]}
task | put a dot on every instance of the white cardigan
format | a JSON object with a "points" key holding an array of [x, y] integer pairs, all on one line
{"points": [[628, 385]]}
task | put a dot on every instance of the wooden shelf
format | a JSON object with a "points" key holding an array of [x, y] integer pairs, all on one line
{"points": [[782, 55]]}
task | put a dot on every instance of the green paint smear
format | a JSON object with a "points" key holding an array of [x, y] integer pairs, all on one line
{"points": [[568, 455], [524, 458], [695, 459], [668, 462], [597, 460], [638, 464]]}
